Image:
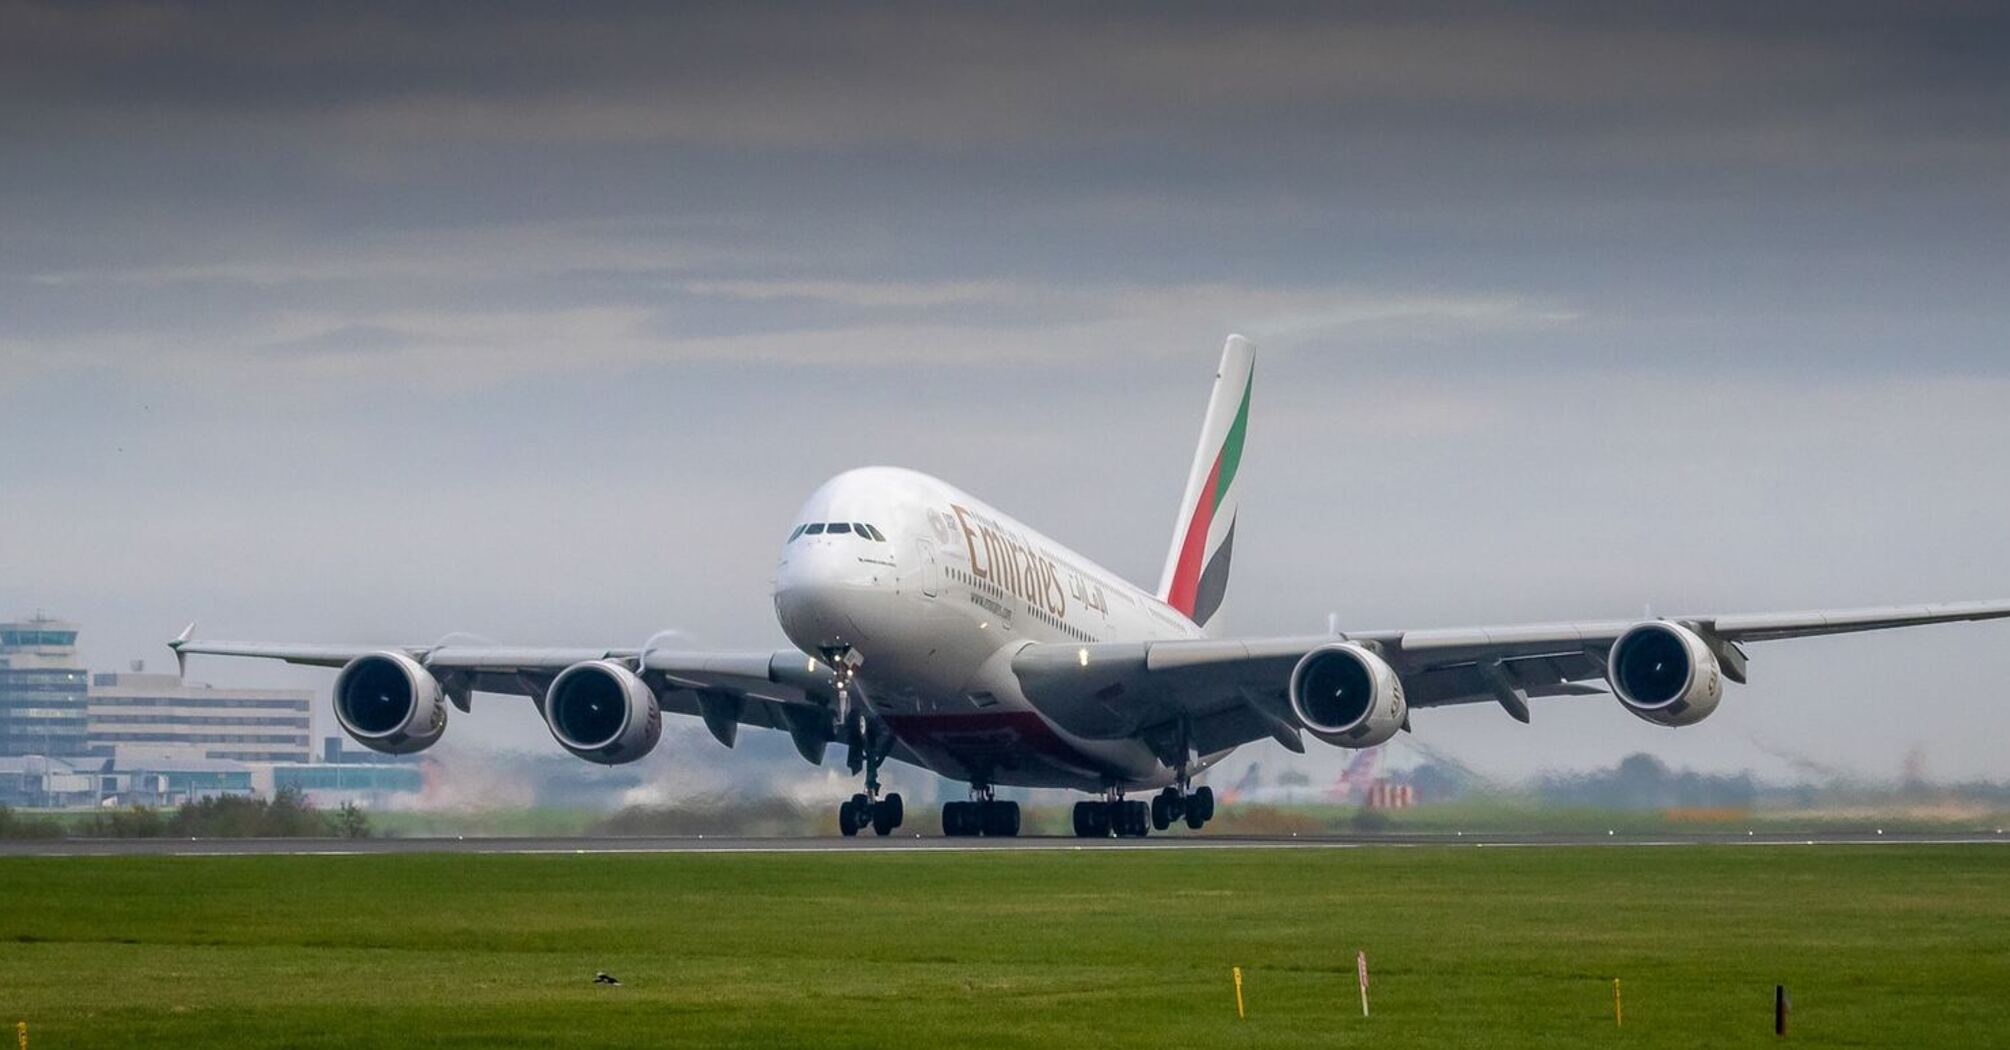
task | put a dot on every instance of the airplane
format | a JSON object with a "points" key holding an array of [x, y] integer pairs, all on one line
{"points": [[933, 629]]}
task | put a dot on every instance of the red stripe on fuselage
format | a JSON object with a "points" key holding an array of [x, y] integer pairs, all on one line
{"points": [[989, 741]]}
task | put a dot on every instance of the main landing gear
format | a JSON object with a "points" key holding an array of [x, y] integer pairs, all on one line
{"points": [[982, 815], [1128, 819]]}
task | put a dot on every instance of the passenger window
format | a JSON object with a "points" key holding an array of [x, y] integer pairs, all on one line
{"points": [[838, 528], [814, 530], [798, 532]]}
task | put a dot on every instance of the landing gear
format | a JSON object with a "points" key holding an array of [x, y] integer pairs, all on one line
{"points": [[867, 809], [983, 815], [1092, 820], [861, 812], [1096, 820], [1199, 807]]}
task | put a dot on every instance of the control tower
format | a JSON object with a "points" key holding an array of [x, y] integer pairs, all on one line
{"points": [[44, 690]]}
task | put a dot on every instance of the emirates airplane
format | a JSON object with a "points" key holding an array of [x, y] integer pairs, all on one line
{"points": [[935, 629]]}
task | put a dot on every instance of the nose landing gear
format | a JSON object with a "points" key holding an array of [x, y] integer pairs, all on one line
{"points": [[863, 811], [869, 743]]}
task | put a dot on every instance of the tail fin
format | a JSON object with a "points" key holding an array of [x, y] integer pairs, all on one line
{"points": [[1196, 573]]}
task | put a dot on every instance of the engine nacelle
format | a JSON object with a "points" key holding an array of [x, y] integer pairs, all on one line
{"points": [[390, 703], [1346, 695], [1665, 673], [601, 712]]}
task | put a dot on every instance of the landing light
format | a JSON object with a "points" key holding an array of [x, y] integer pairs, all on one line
{"points": [[1083, 656]]}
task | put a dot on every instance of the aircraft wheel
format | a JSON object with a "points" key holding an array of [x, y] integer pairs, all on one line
{"points": [[1085, 822], [848, 819], [1130, 819], [1001, 819], [886, 816], [1203, 802], [960, 819], [1162, 810]]}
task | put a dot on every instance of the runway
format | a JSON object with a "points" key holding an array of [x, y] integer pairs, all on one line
{"points": [[936, 844]]}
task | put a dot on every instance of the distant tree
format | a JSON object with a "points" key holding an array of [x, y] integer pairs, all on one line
{"points": [[15, 826], [351, 822]]}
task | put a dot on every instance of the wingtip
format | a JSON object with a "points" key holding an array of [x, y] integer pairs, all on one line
{"points": [[180, 657]]}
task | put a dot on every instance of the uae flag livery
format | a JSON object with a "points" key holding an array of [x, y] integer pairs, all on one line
{"points": [[1196, 574]]}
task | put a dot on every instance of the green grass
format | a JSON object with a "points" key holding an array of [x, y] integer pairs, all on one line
{"points": [[1879, 946]]}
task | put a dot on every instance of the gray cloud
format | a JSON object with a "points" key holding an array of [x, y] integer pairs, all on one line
{"points": [[312, 316]]}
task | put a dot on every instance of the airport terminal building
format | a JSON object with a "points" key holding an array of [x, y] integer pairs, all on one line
{"points": [[160, 712], [43, 690], [72, 739]]}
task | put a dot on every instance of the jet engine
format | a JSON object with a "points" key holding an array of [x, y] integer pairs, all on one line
{"points": [[1346, 695], [390, 703], [1665, 673], [601, 712]]}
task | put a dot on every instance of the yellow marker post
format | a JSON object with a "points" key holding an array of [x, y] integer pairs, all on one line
{"points": [[1237, 970], [1618, 1012], [21, 1030]]}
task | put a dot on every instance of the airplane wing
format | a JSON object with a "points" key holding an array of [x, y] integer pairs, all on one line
{"points": [[1224, 692], [773, 689]]}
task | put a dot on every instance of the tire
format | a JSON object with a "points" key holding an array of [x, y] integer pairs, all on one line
{"points": [[952, 819], [893, 805], [848, 822], [1161, 813], [1139, 816], [1203, 800], [886, 817], [1001, 819], [1085, 823]]}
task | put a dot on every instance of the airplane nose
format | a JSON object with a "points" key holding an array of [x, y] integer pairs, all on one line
{"points": [[819, 591]]}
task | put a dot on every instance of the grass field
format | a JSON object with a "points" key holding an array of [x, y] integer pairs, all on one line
{"points": [[1879, 946]]}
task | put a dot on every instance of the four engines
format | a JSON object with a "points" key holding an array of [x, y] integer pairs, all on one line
{"points": [[1665, 673], [1343, 694], [1346, 695]]}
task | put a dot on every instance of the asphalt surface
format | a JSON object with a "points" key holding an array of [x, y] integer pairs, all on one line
{"points": [[924, 843]]}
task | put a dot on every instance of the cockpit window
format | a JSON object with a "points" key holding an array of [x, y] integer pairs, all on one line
{"points": [[872, 532], [798, 532], [815, 529], [838, 527]]}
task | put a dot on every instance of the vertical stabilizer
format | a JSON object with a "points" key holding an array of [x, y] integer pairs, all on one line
{"points": [[1196, 573]]}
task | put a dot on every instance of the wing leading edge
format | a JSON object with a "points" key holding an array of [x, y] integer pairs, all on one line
{"points": [[1223, 692], [772, 689]]}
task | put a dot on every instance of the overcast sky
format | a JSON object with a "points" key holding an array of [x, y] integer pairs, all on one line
{"points": [[371, 325]]}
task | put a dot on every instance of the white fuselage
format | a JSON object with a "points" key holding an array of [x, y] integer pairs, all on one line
{"points": [[933, 601]]}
